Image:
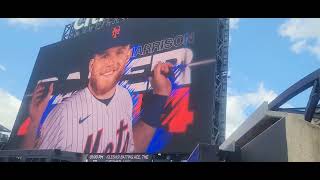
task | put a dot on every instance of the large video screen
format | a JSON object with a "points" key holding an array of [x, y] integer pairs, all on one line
{"points": [[139, 86]]}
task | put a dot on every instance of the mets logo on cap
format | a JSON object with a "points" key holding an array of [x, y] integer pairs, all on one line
{"points": [[115, 32]]}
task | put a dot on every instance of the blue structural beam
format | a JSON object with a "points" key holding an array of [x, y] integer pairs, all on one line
{"points": [[311, 80], [294, 90], [313, 101]]}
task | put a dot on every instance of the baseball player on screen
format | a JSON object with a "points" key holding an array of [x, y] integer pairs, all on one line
{"points": [[98, 118]]}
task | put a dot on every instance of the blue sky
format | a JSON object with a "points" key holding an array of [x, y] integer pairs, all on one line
{"points": [[266, 56], [259, 53]]}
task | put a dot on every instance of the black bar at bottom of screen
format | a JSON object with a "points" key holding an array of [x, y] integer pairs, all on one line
{"points": [[119, 158], [136, 157]]}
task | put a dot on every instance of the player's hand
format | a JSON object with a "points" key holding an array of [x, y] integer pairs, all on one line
{"points": [[39, 102], [160, 82]]}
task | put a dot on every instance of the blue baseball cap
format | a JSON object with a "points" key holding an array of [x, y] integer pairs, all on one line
{"points": [[117, 35]]}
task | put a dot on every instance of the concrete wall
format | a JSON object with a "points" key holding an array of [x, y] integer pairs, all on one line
{"points": [[254, 125], [303, 140], [290, 139], [269, 146]]}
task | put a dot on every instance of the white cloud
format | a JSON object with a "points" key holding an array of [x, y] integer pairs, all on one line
{"points": [[234, 23], [315, 50], [299, 46], [2, 68], [35, 23], [304, 34], [9, 107], [28, 21], [238, 104]]}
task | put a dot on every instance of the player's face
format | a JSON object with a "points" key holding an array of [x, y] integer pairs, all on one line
{"points": [[106, 68]]}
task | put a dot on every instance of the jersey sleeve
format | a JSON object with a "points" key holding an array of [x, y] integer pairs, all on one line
{"points": [[52, 131]]}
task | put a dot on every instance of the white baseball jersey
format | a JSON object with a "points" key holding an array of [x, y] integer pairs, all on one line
{"points": [[82, 123]]}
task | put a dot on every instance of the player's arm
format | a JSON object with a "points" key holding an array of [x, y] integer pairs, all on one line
{"points": [[144, 130], [52, 130], [142, 135], [37, 106]]}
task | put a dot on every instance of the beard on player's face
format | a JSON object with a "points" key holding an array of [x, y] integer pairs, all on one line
{"points": [[103, 79], [107, 68]]}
